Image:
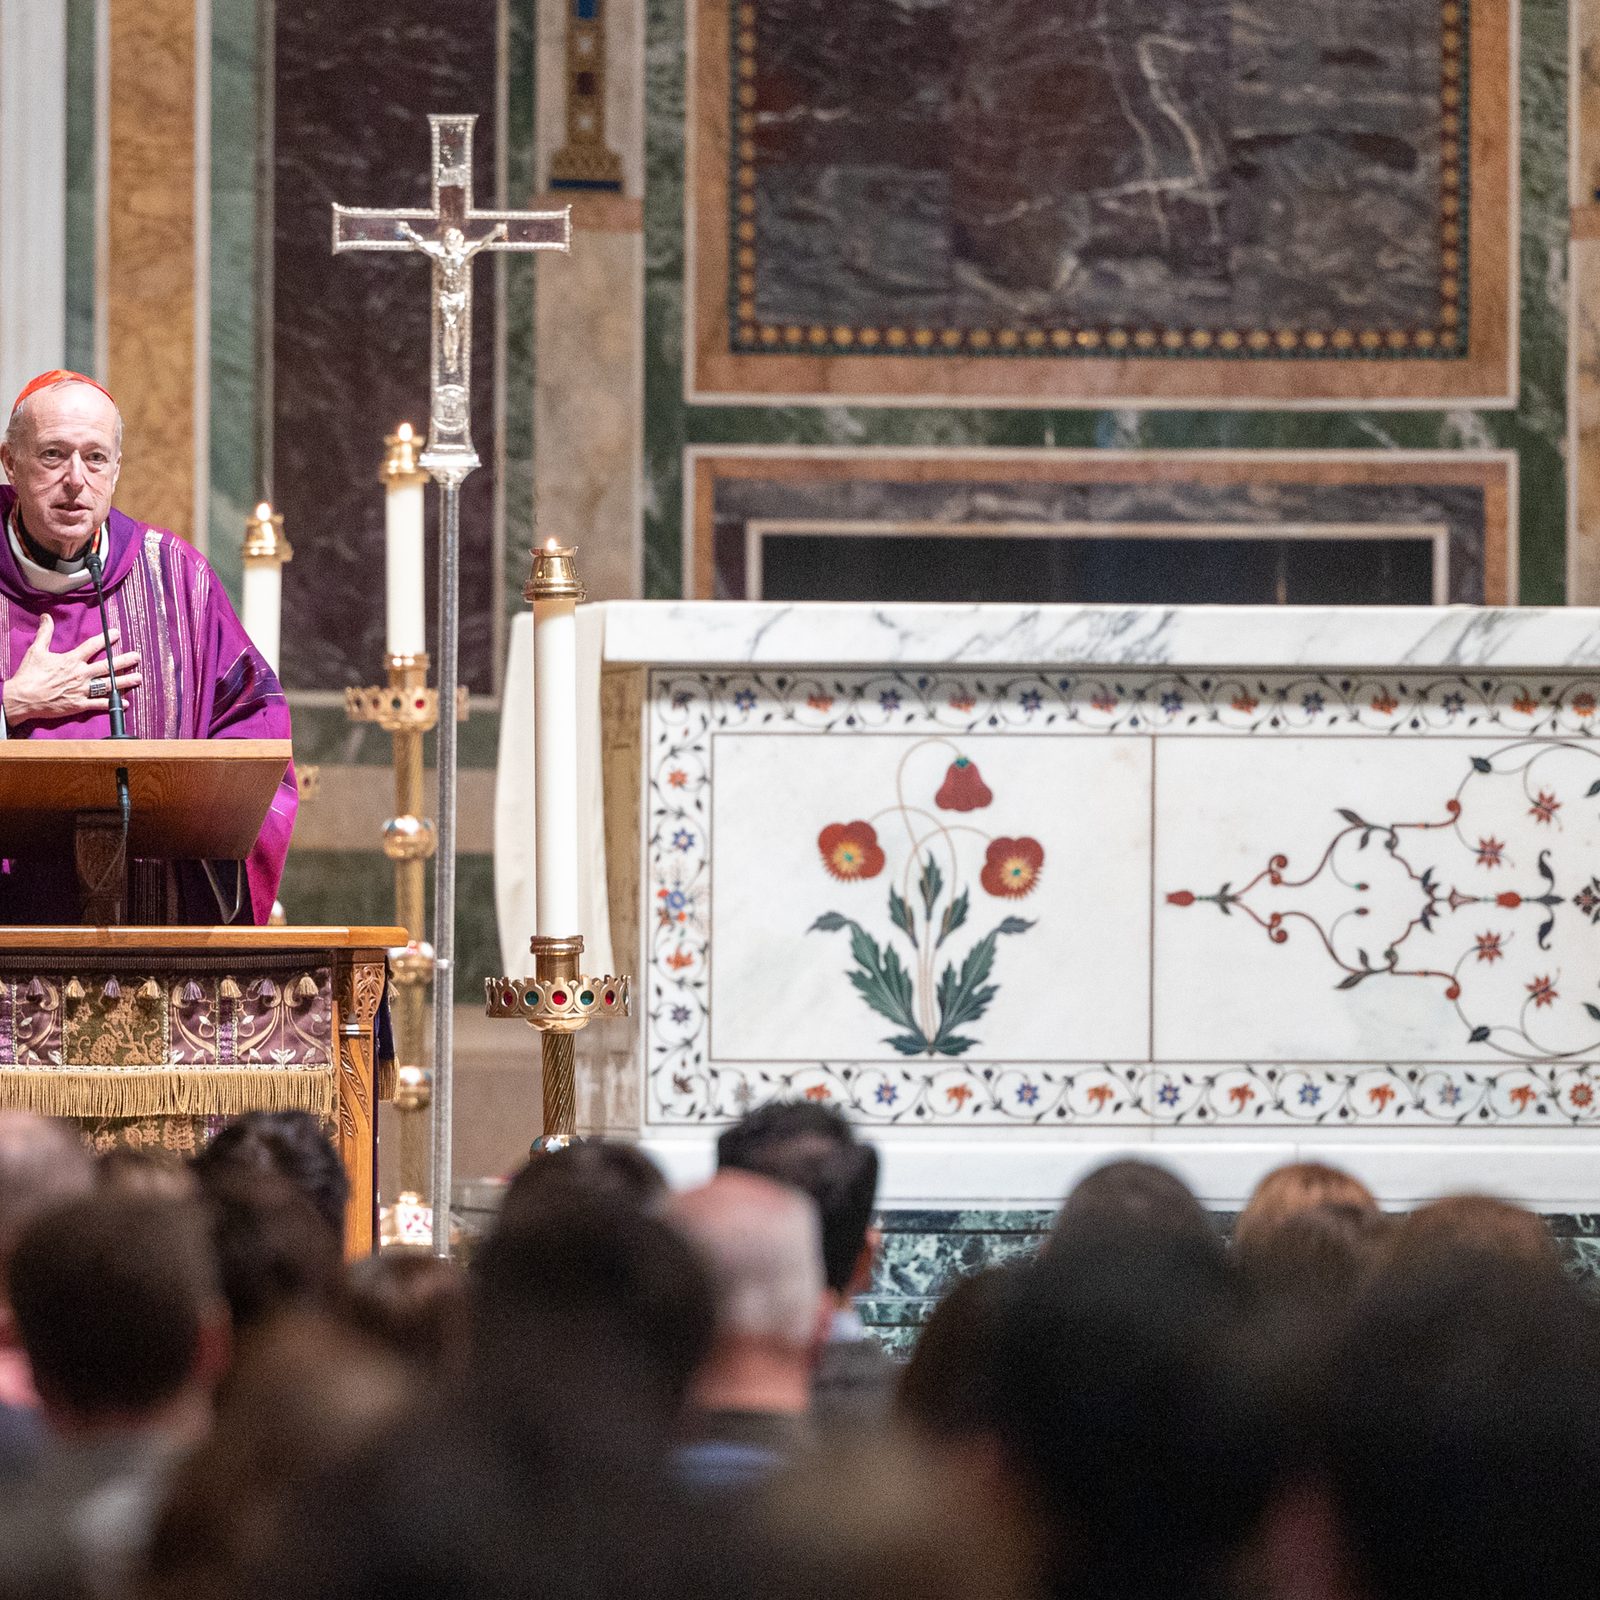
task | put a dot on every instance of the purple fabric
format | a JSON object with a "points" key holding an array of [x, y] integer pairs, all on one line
{"points": [[202, 679]]}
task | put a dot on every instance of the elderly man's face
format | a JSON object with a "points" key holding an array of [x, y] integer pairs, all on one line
{"points": [[64, 465]]}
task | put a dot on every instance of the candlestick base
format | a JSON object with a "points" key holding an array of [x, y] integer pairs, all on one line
{"points": [[558, 1000]]}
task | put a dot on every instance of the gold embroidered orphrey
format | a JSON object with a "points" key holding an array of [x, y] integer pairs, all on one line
{"points": [[450, 233]]}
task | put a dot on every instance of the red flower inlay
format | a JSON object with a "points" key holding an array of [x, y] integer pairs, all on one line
{"points": [[1510, 899], [1100, 1096], [1381, 1095], [1489, 947], [1011, 867], [1525, 705], [1385, 704], [1581, 1094], [1544, 807], [1583, 704], [679, 959], [1241, 1094], [963, 789], [850, 850], [1490, 852], [1543, 991], [818, 1091], [820, 702], [1104, 703], [1180, 897], [958, 1094], [962, 702], [1245, 704], [1523, 1096], [677, 777]]}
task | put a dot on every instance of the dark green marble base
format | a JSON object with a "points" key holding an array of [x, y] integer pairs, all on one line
{"points": [[924, 1252]]}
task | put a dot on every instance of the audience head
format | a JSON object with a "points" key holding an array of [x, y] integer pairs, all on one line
{"points": [[591, 1298], [1298, 1187], [1121, 1384], [762, 1242], [947, 1388], [42, 1163], [117, 1303], [411, 1303], [158, 1174], [291, 1144], [813, 1148], [1474, 1222], [1463, 1429], [595, 1171], [275, 1251], [1130, 1197]]}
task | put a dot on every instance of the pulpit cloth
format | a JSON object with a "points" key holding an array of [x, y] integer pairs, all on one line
{"points": [[92, 1037], [515, 884]]}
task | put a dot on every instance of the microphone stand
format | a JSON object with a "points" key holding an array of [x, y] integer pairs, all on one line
{"points": [[119, 726]]}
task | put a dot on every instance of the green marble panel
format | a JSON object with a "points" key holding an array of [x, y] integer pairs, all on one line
{"points": [[1536, 429], [80, 186], [234, 468]]}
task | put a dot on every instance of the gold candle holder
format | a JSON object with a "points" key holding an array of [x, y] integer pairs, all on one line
{"points": [[407, 710], [558, 1000]]}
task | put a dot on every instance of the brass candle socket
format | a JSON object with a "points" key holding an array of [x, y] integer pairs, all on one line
{"points": [[560, 1001], [265, 543]]}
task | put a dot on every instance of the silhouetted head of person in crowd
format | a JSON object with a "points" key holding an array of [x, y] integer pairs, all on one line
{"points": [[1125, 1404], [762, 1242], [275, 1252], [42, 1163], [412, 1304], [305, 1398], [813, 1148], [117, 1302], [1463, 1430], [289, 1143], [1473, 1222], [596, 1172], [947, 1388], [1299, 1186], [591, 1307], [156, 1174], [1132, 1196]]}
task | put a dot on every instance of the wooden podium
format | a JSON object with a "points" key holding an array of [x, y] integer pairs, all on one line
{"points": [[152, 1036], [190, 799]]}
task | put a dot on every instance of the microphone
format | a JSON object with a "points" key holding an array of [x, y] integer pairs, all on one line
{"points": [[119, 728], [91, 560]]}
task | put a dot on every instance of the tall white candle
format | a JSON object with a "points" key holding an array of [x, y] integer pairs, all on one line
{"points": [[404, 586], [265, 551], [263, 608], [555, 758]]}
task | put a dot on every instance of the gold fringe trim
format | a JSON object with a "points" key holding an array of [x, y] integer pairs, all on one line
{"points": [[388, 1085], [164, 1093]]}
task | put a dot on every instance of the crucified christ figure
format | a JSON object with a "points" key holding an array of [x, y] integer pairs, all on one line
{"points": [[451, 254]]}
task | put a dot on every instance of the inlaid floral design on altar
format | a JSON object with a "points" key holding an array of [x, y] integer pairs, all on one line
{"points": [[928, 907]]}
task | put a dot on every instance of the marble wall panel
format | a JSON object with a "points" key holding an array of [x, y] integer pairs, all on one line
{"points": [[1142, 899], [150, 256], [355, 82], [1467, 500], [1152, 203]]}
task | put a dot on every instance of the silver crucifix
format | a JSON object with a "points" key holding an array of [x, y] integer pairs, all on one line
{"points": [[450, 233]]}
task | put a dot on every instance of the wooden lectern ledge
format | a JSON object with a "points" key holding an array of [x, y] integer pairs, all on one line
{"points": [[159, 1031]]}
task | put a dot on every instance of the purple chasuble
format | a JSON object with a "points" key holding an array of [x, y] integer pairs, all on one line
{"points": [[201, 679]]}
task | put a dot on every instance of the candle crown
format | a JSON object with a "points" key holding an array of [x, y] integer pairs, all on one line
{"points": [[264, 540], [554, 575], [401, 450]]}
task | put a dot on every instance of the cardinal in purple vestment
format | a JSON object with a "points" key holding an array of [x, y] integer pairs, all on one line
{"points": [[186, 667]]}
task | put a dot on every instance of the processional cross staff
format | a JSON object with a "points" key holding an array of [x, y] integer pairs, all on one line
{"points": [[451, 232]]}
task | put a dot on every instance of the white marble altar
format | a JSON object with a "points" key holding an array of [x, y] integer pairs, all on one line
{"points": [[1022, 888]]}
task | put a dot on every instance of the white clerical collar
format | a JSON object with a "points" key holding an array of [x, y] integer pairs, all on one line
{"points": [[46, 579]]}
